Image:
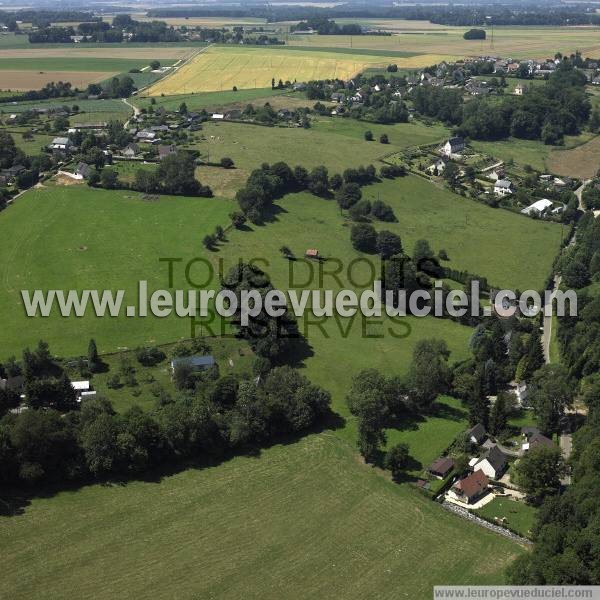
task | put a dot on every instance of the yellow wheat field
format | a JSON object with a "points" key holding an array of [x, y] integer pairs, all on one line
{"points": [[222, 68]]}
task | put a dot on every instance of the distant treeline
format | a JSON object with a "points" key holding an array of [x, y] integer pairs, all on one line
{"points": [[103, 32], [461, 16]]}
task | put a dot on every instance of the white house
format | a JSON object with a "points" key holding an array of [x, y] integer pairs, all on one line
{"points": [[217, 117], [493, 463], [60, 143], [538, 207], [453, 146], [503, 187], [496, 174], [519, 89]]}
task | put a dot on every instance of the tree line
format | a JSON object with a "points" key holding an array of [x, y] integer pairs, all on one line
{"points": [[57, 440], [567, 532]]}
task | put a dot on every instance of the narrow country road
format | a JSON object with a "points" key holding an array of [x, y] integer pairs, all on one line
{"points": [[547, 325], [136, 112]]}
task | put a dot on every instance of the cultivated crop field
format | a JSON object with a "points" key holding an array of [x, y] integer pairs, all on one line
{"points": [[305, 520], [223, 67], [517, 42], [30, 80]]}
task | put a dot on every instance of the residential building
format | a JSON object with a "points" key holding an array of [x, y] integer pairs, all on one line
{"points": [[441, 467], [503, 187], [454, 145], [493, 463], [477, 434], [471, 488]]}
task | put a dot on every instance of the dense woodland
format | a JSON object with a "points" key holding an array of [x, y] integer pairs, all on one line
{"points": [[567, 533]]}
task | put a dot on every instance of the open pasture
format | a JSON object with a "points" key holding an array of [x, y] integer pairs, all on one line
{"points": [[333, 142], [223, 67], [305, 520], [79, 238]]}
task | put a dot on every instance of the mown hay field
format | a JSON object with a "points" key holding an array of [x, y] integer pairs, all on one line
{"points": [[222, 68], [28, 80], [305, 520], [120, 51], [582, 161]]}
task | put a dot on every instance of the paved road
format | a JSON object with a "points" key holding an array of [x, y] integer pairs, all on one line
{"points": [[547, 325], [566, 446]]}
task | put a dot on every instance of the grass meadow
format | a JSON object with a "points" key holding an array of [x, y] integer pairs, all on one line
{"points": [[305, 520], [335, 143], [77, 237]]}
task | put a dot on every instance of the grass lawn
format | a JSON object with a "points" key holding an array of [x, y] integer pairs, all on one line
{"points": [[303, 520], [524, 152], [520, 517], [76, 237], [34, 146], [428, 438], [554, 347]]}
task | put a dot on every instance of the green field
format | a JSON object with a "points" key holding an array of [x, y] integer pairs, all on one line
{"points": [[99, 240], [212, 100], [535, 153], [305, 520], [335, 143], [520, 517], [92, 63]]}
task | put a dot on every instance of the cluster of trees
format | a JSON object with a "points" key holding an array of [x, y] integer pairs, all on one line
{"points": [[377, 401], [324, 26], [271, 338], [567, 533], [273, 181], [50, 90], [474, 34], [175, 175], [546, 112], [10, 156], [98, 31], [116, 87], [591, 196], [579, 264], [58, 440]]}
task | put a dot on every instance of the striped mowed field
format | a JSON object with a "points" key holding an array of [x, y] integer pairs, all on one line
{"points": [[221, 68]]}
